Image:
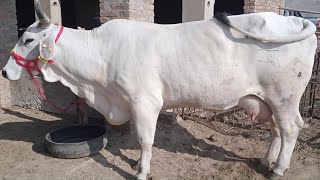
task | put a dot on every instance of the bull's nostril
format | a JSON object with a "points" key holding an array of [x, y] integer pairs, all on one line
{"points": [[4, 73]]}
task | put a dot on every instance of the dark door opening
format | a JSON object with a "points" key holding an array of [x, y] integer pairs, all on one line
{"points": [[233, 7], [84, 14], [25, 15], [167, 11]]}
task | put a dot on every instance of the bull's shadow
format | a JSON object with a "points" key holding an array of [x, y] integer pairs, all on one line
{"points": [[33, 130], [166, 138], [177, 139], [313, 142]]}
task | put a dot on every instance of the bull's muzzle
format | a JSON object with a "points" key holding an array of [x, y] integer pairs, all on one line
{"points": [[4, 74]]}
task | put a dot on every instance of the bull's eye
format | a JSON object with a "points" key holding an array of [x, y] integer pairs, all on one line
{"points": [[28, 41]]}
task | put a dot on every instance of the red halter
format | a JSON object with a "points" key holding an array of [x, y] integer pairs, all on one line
{"points": [[32, 65], [27, 63]]}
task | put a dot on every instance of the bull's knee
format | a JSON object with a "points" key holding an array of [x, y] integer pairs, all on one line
{"points": [[290, 129], [299, 122]]}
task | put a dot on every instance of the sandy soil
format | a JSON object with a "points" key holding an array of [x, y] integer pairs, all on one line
{"points": [[187, 150]]}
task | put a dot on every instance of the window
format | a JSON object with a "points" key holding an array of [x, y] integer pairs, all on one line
{"points": [[25, 15]]}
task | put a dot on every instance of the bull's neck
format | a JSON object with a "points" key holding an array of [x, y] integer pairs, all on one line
{"points": [[78, 62], [78, 54]]}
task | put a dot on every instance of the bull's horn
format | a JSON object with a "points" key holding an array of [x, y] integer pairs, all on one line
{"points": [[44, 20]]}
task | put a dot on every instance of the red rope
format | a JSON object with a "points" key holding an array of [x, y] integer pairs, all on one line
{"points": [[59, 34], [27, 63], [48, 100]]}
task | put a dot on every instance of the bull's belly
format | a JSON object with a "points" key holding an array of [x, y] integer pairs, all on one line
{"points": [[205, 100], [113, 113], [209, 90], [200, 105]]}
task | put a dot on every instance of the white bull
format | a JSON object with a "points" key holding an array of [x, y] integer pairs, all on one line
{"points": [[132, 70]]}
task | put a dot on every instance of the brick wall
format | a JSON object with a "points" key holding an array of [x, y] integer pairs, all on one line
{"points": [[113, 9], [252, 6], [8, 38], [139, 10]]}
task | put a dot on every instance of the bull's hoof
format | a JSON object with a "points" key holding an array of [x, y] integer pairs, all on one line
{"points": [[141, 176], [148, 178], [265, 163], [263, 167], [274, 176]]}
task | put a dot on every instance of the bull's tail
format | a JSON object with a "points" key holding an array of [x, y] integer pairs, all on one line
{"points": [[308, 30]]}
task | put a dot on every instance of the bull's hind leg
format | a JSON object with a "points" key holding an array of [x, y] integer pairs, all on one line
{"points": [[290, 122], [145, 113], [132, 140], [274, 147]]}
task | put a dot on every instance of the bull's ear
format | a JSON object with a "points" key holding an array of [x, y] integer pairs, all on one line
{"points": [[47, 46]]}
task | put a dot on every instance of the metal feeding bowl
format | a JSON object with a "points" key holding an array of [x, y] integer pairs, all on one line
{"points": [[76, 141]]}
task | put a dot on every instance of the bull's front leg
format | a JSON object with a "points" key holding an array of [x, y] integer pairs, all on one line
{"points": [[145, 113], [82, 111]]}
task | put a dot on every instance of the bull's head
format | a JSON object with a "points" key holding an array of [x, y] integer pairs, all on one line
{"points": [[30, 44]]}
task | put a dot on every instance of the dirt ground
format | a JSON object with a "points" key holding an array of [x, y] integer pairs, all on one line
{"points": [[187, 150]]}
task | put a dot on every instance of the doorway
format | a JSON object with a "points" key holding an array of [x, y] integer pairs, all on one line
{"points": [[84, 14], [232, 7], [168, 11], [25, 15]]}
